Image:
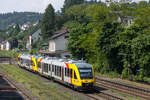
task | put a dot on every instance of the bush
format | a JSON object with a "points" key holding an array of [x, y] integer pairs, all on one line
{"points": [[127, 74], [33, 52]]}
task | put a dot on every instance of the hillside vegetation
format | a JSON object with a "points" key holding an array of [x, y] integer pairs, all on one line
{"points": [[7, 19]]}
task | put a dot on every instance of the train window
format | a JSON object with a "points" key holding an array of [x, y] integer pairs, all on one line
{"points": [[67, 72], [71, 73], [85, 73], [49, 67], [60, 71], [28, 62], [46, 67], [55, 69], [21, 61], [33, 63], [52, 68], [75, 76], [39, 65]]}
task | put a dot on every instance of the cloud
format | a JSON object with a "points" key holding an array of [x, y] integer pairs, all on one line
{"points": [[28, 5]]}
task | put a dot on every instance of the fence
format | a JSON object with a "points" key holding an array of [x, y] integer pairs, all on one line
{"points": [[5, 59]]}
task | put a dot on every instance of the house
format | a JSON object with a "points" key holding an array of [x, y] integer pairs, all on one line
{"points": [[36, 36], [127, 21], [26, 26], [32, 38], [58, 43], [1, 40], [5, 45]]}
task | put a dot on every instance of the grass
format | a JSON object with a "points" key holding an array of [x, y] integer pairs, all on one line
{"points": [[9, 53], [128, 97], [36, 85], [110, 75]]}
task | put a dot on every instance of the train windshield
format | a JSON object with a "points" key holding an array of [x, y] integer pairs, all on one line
{"points": [[85, 73]]}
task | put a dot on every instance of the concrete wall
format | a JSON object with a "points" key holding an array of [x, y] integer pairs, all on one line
{"points": [[36, 36], [52, 46], [8, 46], [59, 43]]}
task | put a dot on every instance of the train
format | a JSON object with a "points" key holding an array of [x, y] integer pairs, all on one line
{"points": [[76, 74]]}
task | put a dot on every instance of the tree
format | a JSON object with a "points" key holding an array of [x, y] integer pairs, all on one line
{"points": [[69, 3], [142, 16], [77, 13], [108, 48], [143, 4], [75, 41], [134, 43], [20, 46], [17, 28], [48, 22]]}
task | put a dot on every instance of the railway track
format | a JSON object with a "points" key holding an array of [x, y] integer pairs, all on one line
{"points": [[102, 96], [141, 92], [92, 95], [16, 87]]}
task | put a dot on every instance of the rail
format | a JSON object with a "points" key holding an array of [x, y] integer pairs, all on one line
{"points": [[124, 87]]}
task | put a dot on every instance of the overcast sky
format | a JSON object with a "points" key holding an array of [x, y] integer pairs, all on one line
{"points": [[29, 5]]}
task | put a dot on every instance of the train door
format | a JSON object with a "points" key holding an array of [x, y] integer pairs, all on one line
{"points": [[30, 67], [53, 67], [39, 67], [62, 74], [42, 68], [75, 80], [49, 70], [66, 76]]}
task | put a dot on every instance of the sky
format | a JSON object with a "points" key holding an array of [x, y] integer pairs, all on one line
{"points": [[30, 5]]}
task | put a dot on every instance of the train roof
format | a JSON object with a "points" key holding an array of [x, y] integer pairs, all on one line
{"points": [[25, 56], [61, 62], [58, 61]]}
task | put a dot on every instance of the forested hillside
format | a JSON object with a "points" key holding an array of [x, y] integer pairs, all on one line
{"points": [[18, 17]]}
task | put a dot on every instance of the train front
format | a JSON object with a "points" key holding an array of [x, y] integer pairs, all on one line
{"points": [[86, 76]]}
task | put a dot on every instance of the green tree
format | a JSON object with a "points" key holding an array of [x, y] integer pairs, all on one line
{"points": [[69, 3], [48, 22], [74, 43], [142, 16], [143, 4], [108, 48], [134, 43], [77, 13], [20, 46]]}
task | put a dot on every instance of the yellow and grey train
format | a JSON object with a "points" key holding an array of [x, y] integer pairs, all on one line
{"points": [[77, 74]]}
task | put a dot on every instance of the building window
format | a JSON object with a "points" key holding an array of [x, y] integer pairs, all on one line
{"points": [[52, 46]]}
